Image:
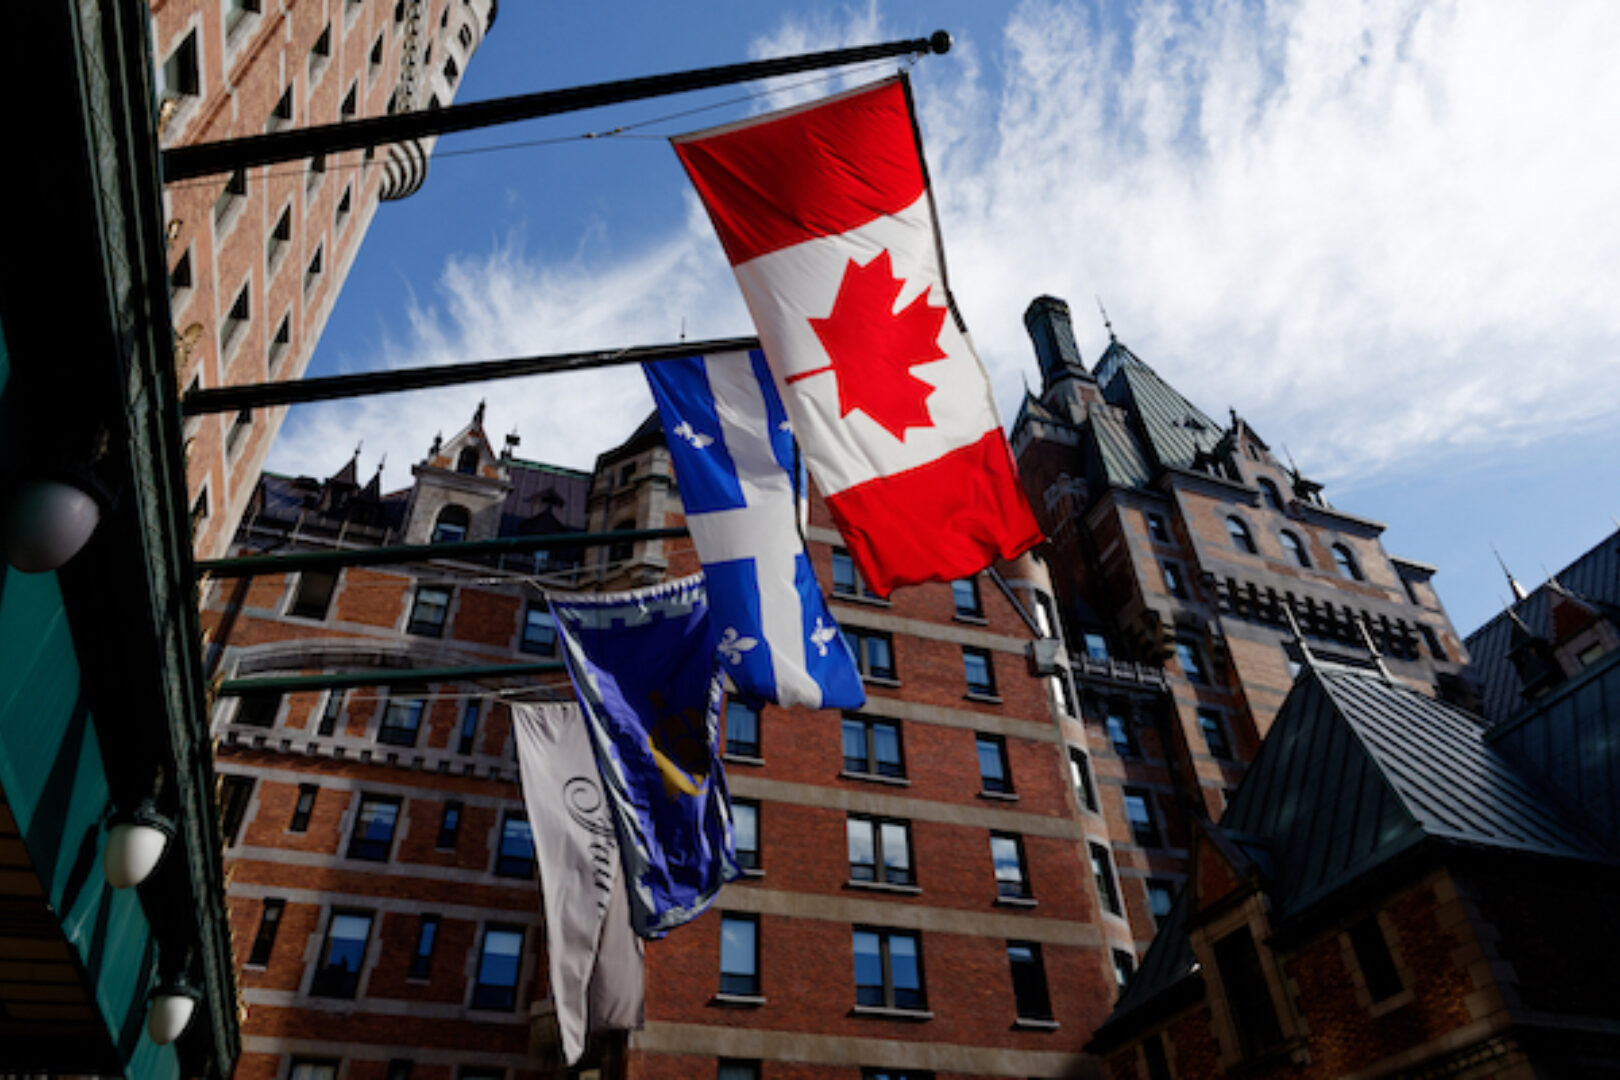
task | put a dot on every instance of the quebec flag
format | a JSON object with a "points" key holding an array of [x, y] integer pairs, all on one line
{"points": [[732, 448], [645, 672]]}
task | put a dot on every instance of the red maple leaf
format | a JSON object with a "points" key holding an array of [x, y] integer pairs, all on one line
{"points": [[873, 347]]}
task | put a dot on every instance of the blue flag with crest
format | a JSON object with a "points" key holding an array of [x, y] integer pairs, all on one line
{"points": [[733, 452], [645, 671]]}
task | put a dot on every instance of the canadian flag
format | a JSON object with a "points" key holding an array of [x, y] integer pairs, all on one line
{"points": [[825, 213]]}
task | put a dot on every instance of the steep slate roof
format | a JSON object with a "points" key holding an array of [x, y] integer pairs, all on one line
{"points": [[1119, 454], [1176, 430], [1355, 772], [1595, 577]]}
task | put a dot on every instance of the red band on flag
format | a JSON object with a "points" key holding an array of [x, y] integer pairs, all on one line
{"points": [[940, 521], [819, 171]]}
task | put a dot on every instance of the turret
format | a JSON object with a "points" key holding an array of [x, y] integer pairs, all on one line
{"points": [[1047, 319]]}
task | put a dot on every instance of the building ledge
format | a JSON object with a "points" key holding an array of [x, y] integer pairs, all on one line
{"points": [[884, 1012], [749, 872], [999, 796], [874, 778], [971, 620], [737, 1001], [982, 698], [1025, 902], [881, 680], [1026, 1023], [885, 887], [742, 759]]}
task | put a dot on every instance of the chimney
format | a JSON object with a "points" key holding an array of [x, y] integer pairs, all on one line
{"points": [[1047, 319]]}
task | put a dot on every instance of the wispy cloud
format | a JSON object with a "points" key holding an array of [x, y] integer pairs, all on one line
{"points": [[1383, 230]]}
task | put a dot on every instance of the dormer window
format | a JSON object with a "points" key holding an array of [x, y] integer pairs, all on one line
{"points": [[467, 462], [1240, 535], [1346, 562], [1270, 493], [451, 525], [1295, 548]]}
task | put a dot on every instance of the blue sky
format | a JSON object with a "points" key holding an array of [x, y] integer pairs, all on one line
{"points": [[1383, 231]]}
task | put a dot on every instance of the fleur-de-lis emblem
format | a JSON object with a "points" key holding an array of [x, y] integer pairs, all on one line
{"points": [[732, 645], [821, 635], [696, 438]]}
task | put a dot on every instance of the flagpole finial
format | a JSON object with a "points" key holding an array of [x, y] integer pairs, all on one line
{"points": [[1519, 591], [940, 42], [1106, 324]]}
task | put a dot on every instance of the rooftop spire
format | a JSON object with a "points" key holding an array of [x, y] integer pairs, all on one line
{"points": [[1106, 324], [1519, 591], [478, 414]]}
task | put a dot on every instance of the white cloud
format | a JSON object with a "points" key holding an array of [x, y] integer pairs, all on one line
{"points": [[1382, 230]]}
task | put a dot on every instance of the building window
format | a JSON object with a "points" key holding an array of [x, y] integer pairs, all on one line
{"points": [[1247, 995], [317, 263], [467, 461], [888, 969], [398, 1069], [237, 317], [279, 343], [1241, 537], [375, 58], [1173, 582], [180, 278], [498, 961], [516, 857], [345, 204], [1372, 954], [1269, 492], [734, 1070], [1158, 528], [237, 14], [1144, 830], [427, 932], [313, 1070], [258, 710], [1012, 875], [402, 720], [373, 836], [230, 199], [1346, 563], [1029, 981], [351, 102], [450, 527], [281, 115], [465, 36], [342, 954], [742, 729], [965, 594], [199, 510], [874, 652], [451, 71], [428, 611], [1292, 545], [331, 711], [1161, 895], [872, 748], [739, 955], [1046, 616], [449, 826], [234, 793], [1080, 775], [1192, 662], [539, 630], [241, 424], [313, 598], [469, 728], [1124, 968], [980, 671], [879, 851], [320, 54], [1062, 691], [745, 831], [1102, 872], [1122, 735], [303, 808], [1209, 722], [316, 173], [1096, 645], [1438, 651], [264, 942], [847, 580], [180, 74], [622, 551], [994, 776]]}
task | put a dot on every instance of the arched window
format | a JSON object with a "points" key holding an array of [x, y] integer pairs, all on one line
{"points": [[1295, 548], [1240, 535], [622, 550], [1347, 562], [1269, 492], [468, 461], [450, 526]]}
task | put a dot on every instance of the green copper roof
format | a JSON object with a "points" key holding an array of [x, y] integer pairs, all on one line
{"points": [[1176, 430]]}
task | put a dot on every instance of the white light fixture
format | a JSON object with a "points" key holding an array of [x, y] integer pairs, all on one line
{"points": [[135, 845], [47, 520], [170, 1009]]}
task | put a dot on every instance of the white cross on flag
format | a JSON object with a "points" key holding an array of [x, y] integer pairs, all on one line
{"points": [[826, 216]]}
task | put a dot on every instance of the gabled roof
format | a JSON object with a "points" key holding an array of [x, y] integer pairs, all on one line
{"points": [[1119, 454], [1176, 430]]}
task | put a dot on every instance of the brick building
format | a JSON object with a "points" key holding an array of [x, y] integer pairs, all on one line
{"points": [[920, 898], [1188, 560], [256, 259]]}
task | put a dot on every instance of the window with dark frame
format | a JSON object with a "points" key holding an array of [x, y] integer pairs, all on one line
{"points": [[313, 598], [1192, 661], [1173, 581], [1102, 872], [1080, 776], [1437, 651], [1158, 528], [398, 1069], [429, 608], [1012, 873], [1242, 539], [305, 1069], [500, 956], [316, 173], [872, 747], [279, 343], [1046, 616], [745, 831], [1346, 562], [879, 850], [1124, 968], [180, 75], [238, 315], [449, 826], [1122, 735], [427, 933], [320, 53], [1294, 547], [539, 630], [317, 266], [258, 709], [1030, 995], [737, 1070], [1161, 896], [344, 205], [281, 115], [888, 969], [230, 197], [1219, 746], [622, 551], [874, 652], [373, 835], [1269, 492], [847, 580], [264, 941], [965, 595], [994, 776], [1247, 996], [979, 670], [1376, 962], [374, 58], [1139, 813], [234, 793], [516, 856], [1096, 645], [402, 719], [469, 728], [241, 424], [739, 955], [742, 729], [180, 277], [303, 808], [343, 953], [351, 102], [1062, 691]]}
